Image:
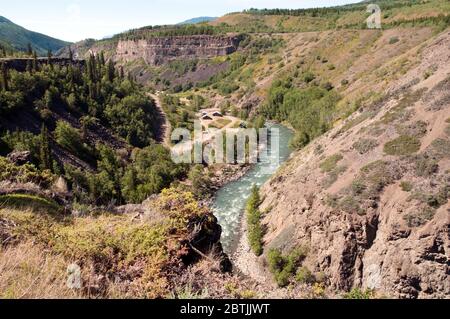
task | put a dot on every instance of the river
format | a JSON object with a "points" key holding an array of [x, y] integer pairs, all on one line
{"points": [[230, 201]]}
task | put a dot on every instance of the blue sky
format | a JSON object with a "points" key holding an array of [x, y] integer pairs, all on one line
{"points": [[74, 20]]}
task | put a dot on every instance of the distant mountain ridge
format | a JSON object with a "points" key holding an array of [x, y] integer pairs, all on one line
{"points": [[17, 37], [198, 20]]}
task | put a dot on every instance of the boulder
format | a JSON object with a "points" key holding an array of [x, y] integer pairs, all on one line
{"points": [[19, 157]]}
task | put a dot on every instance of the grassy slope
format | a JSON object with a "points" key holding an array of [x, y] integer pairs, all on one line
{"points": [[352, 18]]}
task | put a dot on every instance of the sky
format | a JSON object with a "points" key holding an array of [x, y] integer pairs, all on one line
{"points": [[75, 20]]}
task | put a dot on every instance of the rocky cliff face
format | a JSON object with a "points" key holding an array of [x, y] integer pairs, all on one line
{"points": [[372, 209], [160, 50]]}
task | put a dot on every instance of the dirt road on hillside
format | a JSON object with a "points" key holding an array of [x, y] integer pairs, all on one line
{"points": [[163, 135]]}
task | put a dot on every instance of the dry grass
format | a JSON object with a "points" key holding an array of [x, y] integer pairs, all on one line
{"points": [[30, 272], [118, 256]]}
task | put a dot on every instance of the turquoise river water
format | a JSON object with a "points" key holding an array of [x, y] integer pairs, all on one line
{"points": [[230, 201]]}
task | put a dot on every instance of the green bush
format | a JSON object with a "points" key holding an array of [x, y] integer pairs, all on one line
{"points": [[284, 267], [201, 182], [357, 293], [406, 186], [351, 204], [425, 165], [304, 275], [364, 146], [421, 217], [22, 141], [226, 88], [308, 77], [440, 148], [331, 163], [70, 138], [403, 145], [394, 40], [27, 173]]}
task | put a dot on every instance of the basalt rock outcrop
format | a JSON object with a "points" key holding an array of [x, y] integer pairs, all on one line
{"points": [[160, 50]]}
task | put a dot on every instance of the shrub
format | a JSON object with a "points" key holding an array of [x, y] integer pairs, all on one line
{"points": [[403, 145], [201, 183], [447, 130], [351, 205], [394, 40], [406, 186], [380, 174], [357, 293], [284, 267], [436, 199], [331, 163], [399, 112], [70, 138], [227, 88], [110, 245], [440, 148], [334, 175], [417, 129], [421, 217], [358, 187], [24, 174], [308, 77], [425, 165], [304, 275], [22, 141], [365, 145]]}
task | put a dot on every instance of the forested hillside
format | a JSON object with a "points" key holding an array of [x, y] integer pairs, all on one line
{"points": [[19, 38]]}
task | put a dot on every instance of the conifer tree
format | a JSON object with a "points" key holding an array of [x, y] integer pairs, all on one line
{"points": [[29, 66], [102, 58], [35, 62], [49, 57], [111, 71], [29, 49], [4, 69], [44, 149], [89, 69]]}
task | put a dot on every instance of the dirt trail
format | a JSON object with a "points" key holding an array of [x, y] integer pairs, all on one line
{"points": [[163, 136]]}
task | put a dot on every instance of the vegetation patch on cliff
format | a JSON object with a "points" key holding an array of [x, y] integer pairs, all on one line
{"points": [[255, 231]]}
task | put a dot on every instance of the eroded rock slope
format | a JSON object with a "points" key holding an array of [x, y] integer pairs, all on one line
{"points": [[369, 200]]}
